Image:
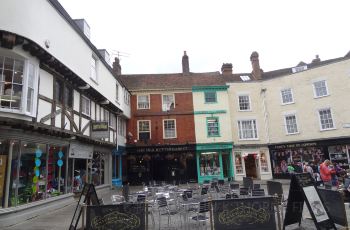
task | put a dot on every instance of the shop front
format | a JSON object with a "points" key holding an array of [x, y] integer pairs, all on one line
{"points": [[170, 164], [252, 162], [214, 161], [313, 153]]}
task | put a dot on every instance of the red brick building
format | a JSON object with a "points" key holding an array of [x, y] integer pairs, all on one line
{"points": [[161, 131]]}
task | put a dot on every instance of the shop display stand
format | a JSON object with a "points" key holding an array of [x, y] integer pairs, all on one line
{"points": [[341, 158]]}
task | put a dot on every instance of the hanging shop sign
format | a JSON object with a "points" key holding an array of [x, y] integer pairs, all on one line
{"points": [[77, 150], [99, 129], [161, 149]]}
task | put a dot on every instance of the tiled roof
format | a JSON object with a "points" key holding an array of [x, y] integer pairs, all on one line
{"points": [[171, 81]]}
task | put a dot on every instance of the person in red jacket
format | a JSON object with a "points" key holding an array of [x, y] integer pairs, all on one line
{"points": [[326, 173]]}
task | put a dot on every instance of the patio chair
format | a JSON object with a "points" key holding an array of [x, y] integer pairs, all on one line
{"points": [[117, 199], [163, 209], [204, 207], [258, 192], [234, 187], [256, 186], [243, 191], [221, 182]]}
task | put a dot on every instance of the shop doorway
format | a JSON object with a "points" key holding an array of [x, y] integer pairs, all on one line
{"points": [[250, 166]]}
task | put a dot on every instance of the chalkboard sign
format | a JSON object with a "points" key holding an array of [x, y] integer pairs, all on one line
{"points": [[88, 196], [244, 213], [333, 200], [302, 188], [122, 216]]}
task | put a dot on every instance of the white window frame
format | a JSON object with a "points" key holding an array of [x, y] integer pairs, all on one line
{"points": [[315, 91], [249, 101], [126, 97], [82, 104], [286, 125], [149, 104], [332, 117], [116, 92], [240, 130], [175, 136], [138, 129], [23, 108], [95, 77], [291, 93], [167, 107], [121, 127]]}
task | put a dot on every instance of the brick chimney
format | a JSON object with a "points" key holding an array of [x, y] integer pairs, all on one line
{"points": [[185, 64], [117, 69], [257, 72], [226, 69]]}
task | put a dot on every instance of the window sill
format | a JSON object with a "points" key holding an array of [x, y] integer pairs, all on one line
{"points": [[291, 134], [248, 110], [214, 102], [251, 139], [322, 130], [288, 103], [142, 108], [214, 136], [169, 138], [317, 97]]}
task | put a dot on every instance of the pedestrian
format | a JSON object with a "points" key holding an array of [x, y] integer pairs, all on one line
{"points": [[326, 173], [290, 168]]}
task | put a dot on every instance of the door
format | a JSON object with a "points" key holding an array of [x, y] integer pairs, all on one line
{"points": [[250, 166]]}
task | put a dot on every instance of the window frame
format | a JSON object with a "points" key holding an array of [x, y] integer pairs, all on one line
{"points": [[286, 125], [95, 59], [82, 104], [320, 121], [292, 96], [175, 133], [117, 93], [149, 104], [249, 101], [138, 129], [315, 90], [240, 130], [25, 85], [173, 102], [210, 102], [218, 126]]}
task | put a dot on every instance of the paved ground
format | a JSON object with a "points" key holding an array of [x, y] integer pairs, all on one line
{"points": [[61, 218]]}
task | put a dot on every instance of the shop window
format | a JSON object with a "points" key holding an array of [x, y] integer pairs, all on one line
{"points": [[4, 147], [326, 120], [56, 170], [169, 128], [32, 173], [263, 162], [238, 163], [168, 102], [244, 102], [17, 176], [16, 77], [209, 164], [144, 130], [213, 127], [339, 155], [143, 102], [96, 167], [210, 97]]}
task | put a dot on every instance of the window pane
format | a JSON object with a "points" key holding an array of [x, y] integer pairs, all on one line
{"points": [[169, 129], [247, 129], [287, 96], [326, 119], [210, 97], [291, 124], [213, 127], [320, 88], [168, 102], [244, 103], [143, 102], [9, 63]]}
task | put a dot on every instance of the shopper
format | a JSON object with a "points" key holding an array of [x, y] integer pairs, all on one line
{"points": [[326, 173]]}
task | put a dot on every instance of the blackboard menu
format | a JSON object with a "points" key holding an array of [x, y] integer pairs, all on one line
{"points": [[244, 213], [122, 216], [334, 203]]}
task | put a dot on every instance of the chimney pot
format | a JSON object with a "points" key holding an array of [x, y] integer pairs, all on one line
{"points": [[185, 64], [117, 69]]}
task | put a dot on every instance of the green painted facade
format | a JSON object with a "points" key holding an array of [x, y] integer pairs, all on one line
{"points": [[224, 151]]}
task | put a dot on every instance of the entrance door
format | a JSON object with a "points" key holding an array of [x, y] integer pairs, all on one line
{"points": [[250, 166]]}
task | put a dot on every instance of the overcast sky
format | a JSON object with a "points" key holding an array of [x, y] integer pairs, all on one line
{"points": [[154, 33]]}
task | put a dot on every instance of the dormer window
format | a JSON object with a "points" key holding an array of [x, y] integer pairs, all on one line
{"points": [[299, 68]]}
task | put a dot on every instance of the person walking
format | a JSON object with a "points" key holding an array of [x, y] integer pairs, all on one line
{"points": [[326, 173]]}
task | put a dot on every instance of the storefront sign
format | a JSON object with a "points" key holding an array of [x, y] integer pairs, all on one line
{"points": [[78, 150], [99, 129], [295, 145], [160, 149]]}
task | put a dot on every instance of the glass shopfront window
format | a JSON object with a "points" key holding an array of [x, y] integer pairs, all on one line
{"points": [[56, 170], [263, 162], [32, 173], [209, 164], [96, 167], [14, 147], [4, 146], [238, 163]]}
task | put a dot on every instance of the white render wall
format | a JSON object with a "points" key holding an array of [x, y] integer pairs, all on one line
{"points": [[39, 21]]}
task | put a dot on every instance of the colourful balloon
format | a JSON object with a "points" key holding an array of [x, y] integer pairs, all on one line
{"points": [[59, 162], [38, 153], [37, 162], [60, 154]]}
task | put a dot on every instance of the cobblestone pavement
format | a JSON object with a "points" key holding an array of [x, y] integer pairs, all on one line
{"points": [[61, 218]]}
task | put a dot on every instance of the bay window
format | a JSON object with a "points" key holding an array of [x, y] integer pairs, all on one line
{"points": [[18, 85]]}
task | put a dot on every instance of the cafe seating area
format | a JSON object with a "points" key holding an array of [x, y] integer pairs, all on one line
{"points": [[189, 205]]}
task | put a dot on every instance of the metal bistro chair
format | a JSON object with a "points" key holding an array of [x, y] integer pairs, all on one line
{"points": [[117, 199], [256, 186], [258, 192], [234, 187], [221, 182], [204, 207], [163, 209], [244, 191]]}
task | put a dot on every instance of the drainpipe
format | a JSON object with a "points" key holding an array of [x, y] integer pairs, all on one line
{"points": [[8, 175], [266, 116]]}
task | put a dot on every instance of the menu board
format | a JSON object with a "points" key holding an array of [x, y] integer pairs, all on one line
{"points": [[121, 216], [244, 213]]}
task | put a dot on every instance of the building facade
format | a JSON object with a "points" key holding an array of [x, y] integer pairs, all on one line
{"points": [[59, 105]]}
